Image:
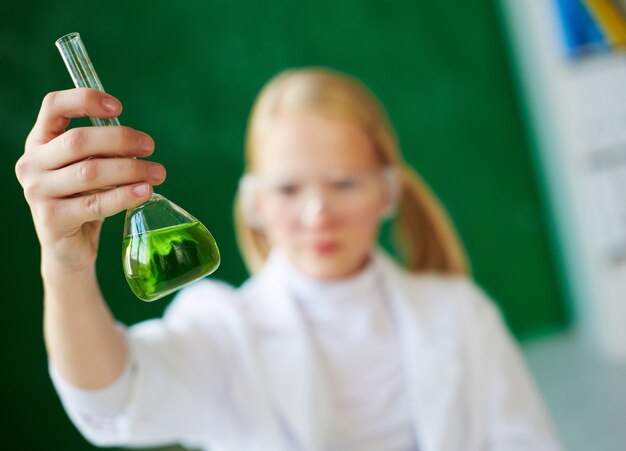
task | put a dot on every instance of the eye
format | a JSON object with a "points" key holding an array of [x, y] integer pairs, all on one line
{"points": [[287, 189], [346, 183]]}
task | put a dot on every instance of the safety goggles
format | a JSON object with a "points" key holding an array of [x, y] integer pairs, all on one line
{"points": [[302, 198]]}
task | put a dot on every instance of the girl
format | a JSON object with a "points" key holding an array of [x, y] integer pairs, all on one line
{"points": [[330, 345]]}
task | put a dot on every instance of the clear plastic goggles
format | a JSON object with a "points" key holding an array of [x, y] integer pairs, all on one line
{"points": [[337, 194]]}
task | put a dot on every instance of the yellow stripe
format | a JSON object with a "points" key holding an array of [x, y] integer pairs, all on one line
{"points": [[610, 19]]}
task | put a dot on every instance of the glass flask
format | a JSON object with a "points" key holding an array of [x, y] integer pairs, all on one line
{"points": [[164, 247]]}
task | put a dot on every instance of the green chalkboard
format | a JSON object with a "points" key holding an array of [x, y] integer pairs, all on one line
{"points": [[187, 73]]}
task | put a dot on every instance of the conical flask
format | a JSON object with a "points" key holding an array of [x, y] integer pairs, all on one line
{"points": [[164, 247]]}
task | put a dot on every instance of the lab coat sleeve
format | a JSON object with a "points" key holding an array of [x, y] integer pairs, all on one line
{"points": [[169, 390], [516, 418]]}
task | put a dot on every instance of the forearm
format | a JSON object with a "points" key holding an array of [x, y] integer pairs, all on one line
{"points": [[82, 338]]}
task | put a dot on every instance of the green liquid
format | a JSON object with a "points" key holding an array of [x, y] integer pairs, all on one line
{"points": [[160, 261]]}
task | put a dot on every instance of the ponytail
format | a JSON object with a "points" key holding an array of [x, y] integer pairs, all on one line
{"points": [[423, 236], [252, 242]]}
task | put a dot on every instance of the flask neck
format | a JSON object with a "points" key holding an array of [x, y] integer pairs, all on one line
{"points": [[80, 68]]}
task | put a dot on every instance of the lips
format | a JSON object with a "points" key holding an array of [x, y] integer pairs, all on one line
{"points": [[324, 247]]}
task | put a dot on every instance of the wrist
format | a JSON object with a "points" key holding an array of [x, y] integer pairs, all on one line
{"points": [[57, 272]]}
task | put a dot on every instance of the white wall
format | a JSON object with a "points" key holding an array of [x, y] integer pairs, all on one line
{"points": [[578, 112]]}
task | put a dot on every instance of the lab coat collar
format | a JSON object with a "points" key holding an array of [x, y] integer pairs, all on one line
{"points": [[429, 355], [294, 373]]}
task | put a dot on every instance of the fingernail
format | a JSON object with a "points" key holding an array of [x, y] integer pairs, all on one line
{"points": [[110, 104], [156, 171], [145, 143], [141, 189]]}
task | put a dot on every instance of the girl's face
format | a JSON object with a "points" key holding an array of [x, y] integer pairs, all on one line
{"points": [[320, 192]]}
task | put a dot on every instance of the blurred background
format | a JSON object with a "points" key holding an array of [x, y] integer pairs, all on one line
{"points": [[476, 112]]}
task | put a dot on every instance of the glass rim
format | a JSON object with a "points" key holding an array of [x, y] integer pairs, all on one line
{"points": [[68, 38]]}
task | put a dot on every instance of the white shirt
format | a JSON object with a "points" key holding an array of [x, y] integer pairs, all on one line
{"points": [[353, 330]]}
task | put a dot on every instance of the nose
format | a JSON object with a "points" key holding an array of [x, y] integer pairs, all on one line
{"points": [[316, 211]]}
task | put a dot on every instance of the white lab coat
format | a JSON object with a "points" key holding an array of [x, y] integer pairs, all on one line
{"points": [[230, 369]]}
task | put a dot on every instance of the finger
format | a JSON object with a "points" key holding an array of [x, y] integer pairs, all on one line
{"points": [[59, 107], [88, 142], [99, 173], [73, 212]]}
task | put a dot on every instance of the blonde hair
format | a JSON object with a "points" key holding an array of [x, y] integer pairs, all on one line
{"points": [[423, 236]]}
